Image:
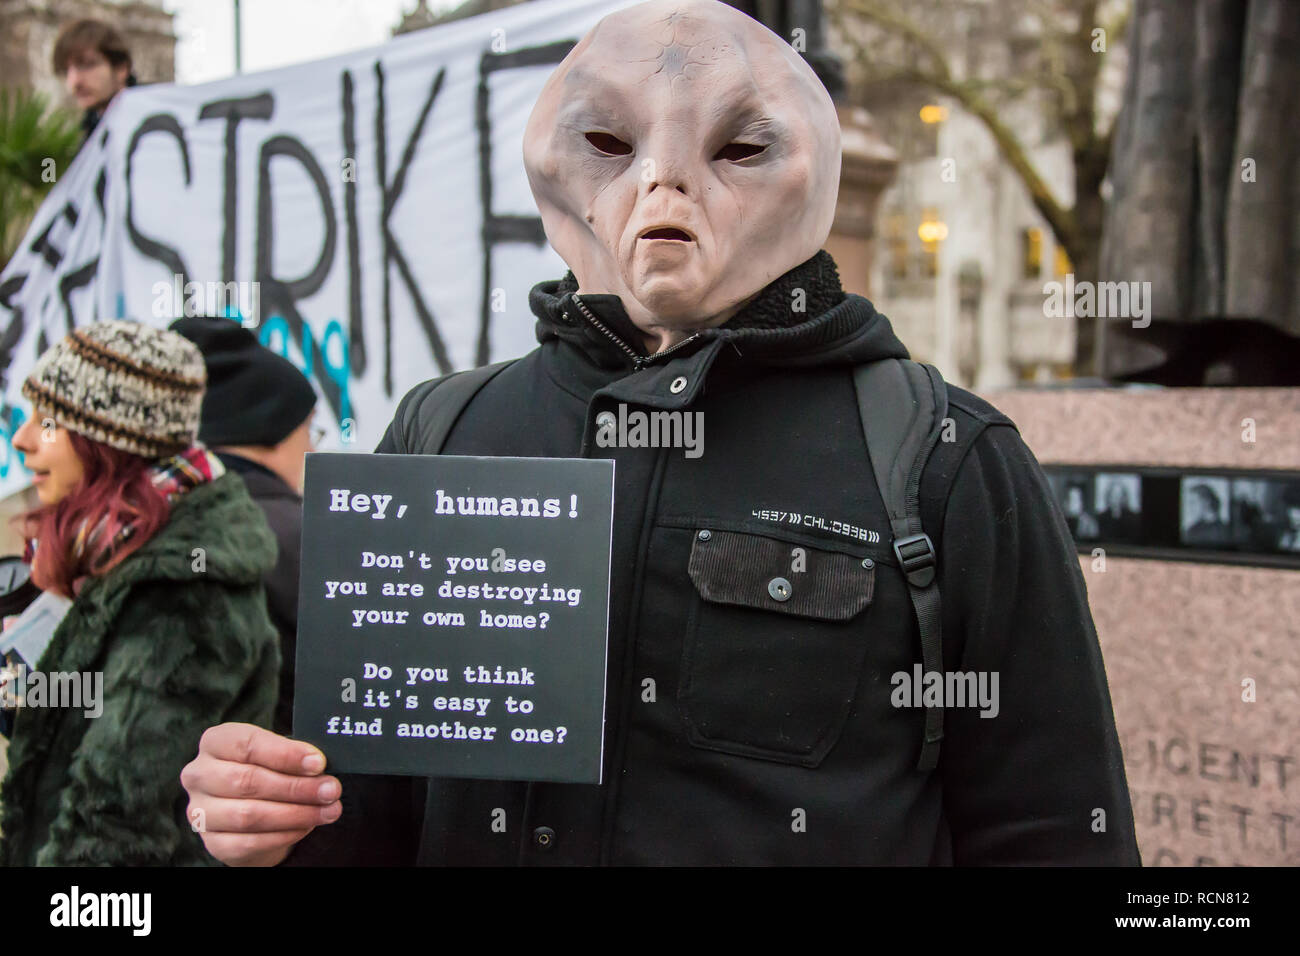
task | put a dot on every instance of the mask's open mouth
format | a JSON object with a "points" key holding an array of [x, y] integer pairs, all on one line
{"points": [[667, 232]]}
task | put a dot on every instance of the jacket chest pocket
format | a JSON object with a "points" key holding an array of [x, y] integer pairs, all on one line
{"points": [[774, 646]]}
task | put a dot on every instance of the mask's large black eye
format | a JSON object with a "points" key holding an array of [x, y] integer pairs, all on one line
{"points": [[739, 151], [609, 144]]}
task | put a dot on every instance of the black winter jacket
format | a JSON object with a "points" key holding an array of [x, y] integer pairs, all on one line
{"points": [[771, 738], [179, 647], [283, 509]]}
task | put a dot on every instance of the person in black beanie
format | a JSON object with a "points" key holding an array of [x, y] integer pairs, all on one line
{"points": [[257, 417]]}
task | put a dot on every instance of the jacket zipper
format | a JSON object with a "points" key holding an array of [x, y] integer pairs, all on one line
{"points": [[673, 348], [638, 361]]}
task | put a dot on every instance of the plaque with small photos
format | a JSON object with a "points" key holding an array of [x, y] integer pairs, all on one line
{"points": [[1226, 516]]}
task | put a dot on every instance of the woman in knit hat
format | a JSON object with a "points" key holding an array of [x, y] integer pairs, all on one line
{"points": [[161, 553]]}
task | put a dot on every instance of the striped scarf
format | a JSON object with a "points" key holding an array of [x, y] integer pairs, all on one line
{"points": [[172, 476]]}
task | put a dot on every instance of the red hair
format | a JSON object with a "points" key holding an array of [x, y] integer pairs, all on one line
{"points": [[116, 490]]}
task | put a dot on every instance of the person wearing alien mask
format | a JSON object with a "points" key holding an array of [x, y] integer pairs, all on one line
{"points": [[686, 164]]}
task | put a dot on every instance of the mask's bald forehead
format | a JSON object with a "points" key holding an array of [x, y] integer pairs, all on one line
{"points": [[671, 43], [682, 44], [735, 101], [708, 76]]}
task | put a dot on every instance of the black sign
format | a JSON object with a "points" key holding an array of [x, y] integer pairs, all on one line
{"points": [[453, 615]]}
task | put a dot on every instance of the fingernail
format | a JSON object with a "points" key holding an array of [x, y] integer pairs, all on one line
{"points": [[331, 813], [328, 792], [313, 763]]}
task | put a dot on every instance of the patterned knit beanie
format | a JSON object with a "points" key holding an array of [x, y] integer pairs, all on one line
{"points": [[126, 385]]}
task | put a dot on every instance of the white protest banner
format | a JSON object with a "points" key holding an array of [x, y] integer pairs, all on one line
{"points": [[368, 215]]}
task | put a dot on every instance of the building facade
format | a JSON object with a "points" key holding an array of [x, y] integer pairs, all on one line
{"points": [[28, 29], [964, 255]]}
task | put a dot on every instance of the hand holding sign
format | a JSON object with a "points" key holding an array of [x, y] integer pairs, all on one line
{"points": [[254, 794]]}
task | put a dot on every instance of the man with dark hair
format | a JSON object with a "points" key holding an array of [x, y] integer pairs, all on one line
{"points": [[93, 59], [1207, 526]]}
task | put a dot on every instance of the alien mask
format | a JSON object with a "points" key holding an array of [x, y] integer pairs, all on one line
{"points": [[683, 156]]}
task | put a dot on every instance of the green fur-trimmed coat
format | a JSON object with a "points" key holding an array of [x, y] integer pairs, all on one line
{"points": [[184, 642]]}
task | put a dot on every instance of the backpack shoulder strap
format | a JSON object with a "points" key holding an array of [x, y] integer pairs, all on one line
{"points": [[903, 405], [435, 407]]}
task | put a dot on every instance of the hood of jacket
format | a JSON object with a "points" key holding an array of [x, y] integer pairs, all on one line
{"points": [[218, 516], [802, 318]]}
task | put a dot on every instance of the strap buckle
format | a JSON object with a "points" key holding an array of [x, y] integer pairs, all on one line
{"points": [[917, 558]]}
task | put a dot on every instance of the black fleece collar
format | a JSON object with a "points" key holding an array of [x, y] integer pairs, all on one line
{"points": [[810, 288], [802, 317], [775, 305]]}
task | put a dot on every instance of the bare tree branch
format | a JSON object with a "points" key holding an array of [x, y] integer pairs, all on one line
{"points": [[1059, 218], [907, 41], [901, 26]]}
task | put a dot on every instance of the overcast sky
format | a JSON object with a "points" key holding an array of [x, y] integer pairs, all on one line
{"points": [[278, 32]]}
